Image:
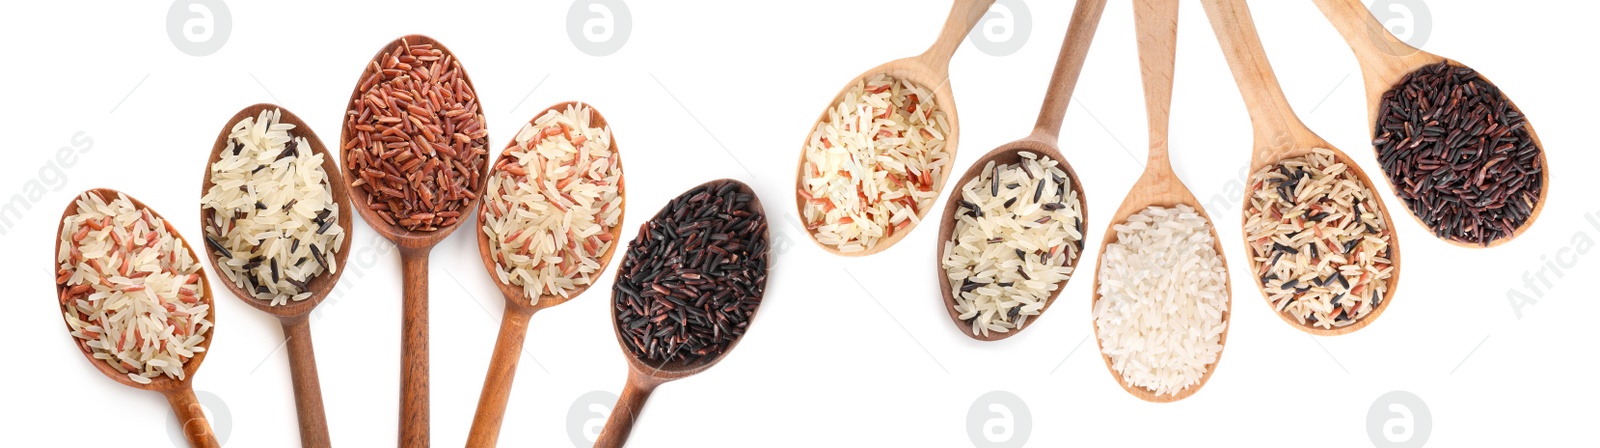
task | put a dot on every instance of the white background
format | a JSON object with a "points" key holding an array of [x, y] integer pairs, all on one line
{"points": [[853, 352]]}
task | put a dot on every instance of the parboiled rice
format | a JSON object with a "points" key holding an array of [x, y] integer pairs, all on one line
{"points": [[873, 168], [1162, 296], [274, 224], [129, 290], [552, 203], [1322, 247], [1017, 232]]}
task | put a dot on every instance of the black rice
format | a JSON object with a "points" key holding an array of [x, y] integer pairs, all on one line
{"points": [[693, 278], [1458, 154]]}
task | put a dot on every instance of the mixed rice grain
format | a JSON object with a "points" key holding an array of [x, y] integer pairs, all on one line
{"points": [[271, 219], [552, 203], [1017, 232], [130, 292], [1320, 243], [874, 166]]}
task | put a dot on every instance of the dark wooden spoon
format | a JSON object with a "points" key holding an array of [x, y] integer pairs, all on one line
{"points": [[414, 247], [179, 393], [519, 308], [293, 316]]}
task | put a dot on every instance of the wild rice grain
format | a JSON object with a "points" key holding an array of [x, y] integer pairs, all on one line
{"points": [[1009, 251], [266, 197]]}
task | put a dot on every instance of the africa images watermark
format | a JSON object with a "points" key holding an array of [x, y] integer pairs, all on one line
{"points": [[1538, 282], [52, 176]]}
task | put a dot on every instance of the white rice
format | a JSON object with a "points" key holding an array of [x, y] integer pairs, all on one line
{"points": [[1321, 246], [129, 290], [873, 168], [273, 224], [1009, 250], [1163, 292], [552, 203]]}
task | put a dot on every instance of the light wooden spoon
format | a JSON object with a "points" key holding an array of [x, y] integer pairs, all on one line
{"points": [[1385, 62], [1043, 141], [1157, 24], [414, 247], [179, 393], [931, 70], [293, 316], [644, 377], [1280, 135], [519, 308]]}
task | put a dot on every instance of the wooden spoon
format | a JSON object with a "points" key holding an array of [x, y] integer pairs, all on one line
{"points": [[1279, 135], [1043, 141], [644, 377], [414, 247], [1385, 62], [293, 316], [514, 326], [1157, 24], [179, 393], [931, 69]]}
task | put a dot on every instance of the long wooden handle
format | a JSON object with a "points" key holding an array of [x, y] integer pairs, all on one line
{"points": [[191, 418], [414, 350], [1156, 21], [307, 387], [1074, 49], [1274, 121], [502, 372], [964, 15], [620, 424], [1375, 47]]}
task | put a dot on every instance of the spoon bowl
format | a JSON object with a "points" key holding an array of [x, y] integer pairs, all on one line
{"points": [[930, 70], [294, 315], [1385, 62], [1279, 134], [179, 393], [644, 377], [414, 246], [519, 308], [1156, 22], [1043, 142]]}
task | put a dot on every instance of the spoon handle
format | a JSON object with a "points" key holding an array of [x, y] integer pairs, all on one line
{"points": [[192, 418], [307, 387], [414, 350], [1274, 121], [1157, 24], [1074, 49], [620, 424], [1375, 47], [502, 372], [964, 15]]}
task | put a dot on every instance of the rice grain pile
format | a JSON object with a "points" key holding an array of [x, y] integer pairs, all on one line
{"points": [[1019, 228], [130, 292], [874, 166], [1163, 293], [417, 139], [694, 277], [552, 202], [272, 222], [1320, 243]]}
